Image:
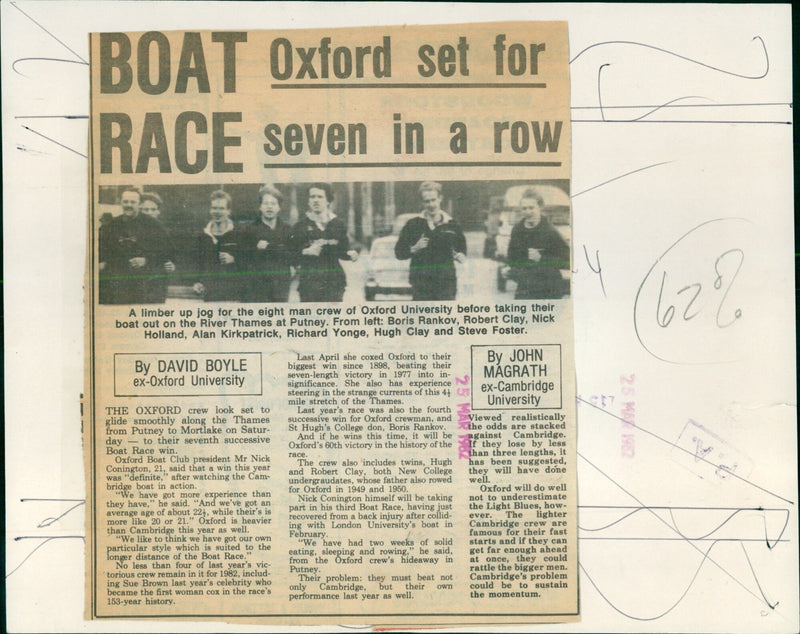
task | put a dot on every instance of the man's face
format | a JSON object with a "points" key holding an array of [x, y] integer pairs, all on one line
{"points": [[317, 201], [531, 211], [270, 207], [150, 208], [130, 204], [219, 209], [431, 200]]}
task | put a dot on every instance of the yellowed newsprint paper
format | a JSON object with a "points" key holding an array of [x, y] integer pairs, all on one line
{"points": [[330, 371]]}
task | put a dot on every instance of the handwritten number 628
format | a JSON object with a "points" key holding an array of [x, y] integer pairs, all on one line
{"points": [[722, 282]]}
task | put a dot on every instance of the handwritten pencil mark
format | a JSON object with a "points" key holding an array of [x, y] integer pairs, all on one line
{"points": [[701, 121], [616, 178], [766, 532], [52, 116], [697, 288], [23, 148], [686, 105], [46, 540], [599, 92], [615, 522], [683, 594], [635, 509], [42, 59], [683, 449], [646, 114], [602, 107], [665, 105], [755, 578], [657, 616], [689, 542], [687, 253], [737, 314], [44, 136], [728, 519], [48, 521], [673, 539], [671, 509], [683, 57], [45, 523], [599, 270], [14, 4], [52, 500]]}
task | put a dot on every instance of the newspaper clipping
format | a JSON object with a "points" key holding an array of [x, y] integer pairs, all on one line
{"points": [[330, 370]]}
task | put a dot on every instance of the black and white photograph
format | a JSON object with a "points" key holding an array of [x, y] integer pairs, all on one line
{"points": [[332, 242]]}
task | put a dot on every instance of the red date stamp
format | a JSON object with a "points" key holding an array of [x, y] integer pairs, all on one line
{"points": [[628, 415], [464, 418]]}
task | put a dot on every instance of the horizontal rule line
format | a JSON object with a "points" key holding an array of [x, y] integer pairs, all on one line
{"points": [[409, 85], [419, 164]]}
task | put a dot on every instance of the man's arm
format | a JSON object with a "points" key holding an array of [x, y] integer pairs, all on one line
{"points": [[402, 248], [280, 248], [301, 245], [554, 249], [169, 254], [407, 244], [103, 251], [342, 245], [517, 253], [560, 250], [154, 245], [294, 242], [248, 245], [204, 255], [460, 245]]}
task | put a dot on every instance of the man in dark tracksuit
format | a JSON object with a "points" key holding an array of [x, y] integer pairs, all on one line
{"points": [[132, 249], [432, 240], [319, 241], [536, 253], [157, 285], [218, 254], [267, 252]]}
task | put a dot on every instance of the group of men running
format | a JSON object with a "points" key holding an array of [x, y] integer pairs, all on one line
{"points": [[250, 263], [253, 263]]}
